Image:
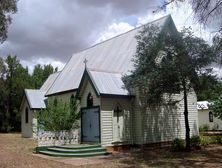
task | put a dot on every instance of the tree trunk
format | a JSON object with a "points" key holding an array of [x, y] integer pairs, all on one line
{"points": [[186, 117]]}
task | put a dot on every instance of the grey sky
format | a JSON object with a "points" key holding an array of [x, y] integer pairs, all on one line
{"points": [[58, 28]]}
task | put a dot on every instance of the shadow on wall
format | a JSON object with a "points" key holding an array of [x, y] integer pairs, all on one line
{"points": [[161, 123]]}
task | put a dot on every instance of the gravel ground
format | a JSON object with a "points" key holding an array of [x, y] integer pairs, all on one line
{"points": [[17, 152]]}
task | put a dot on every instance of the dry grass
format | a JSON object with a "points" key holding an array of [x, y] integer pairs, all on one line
{"points": [[17, 152]]}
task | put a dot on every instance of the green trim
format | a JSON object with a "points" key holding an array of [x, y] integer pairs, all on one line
{"points": [[117, 96], [86, 75], [83, 108], [62, 92]]}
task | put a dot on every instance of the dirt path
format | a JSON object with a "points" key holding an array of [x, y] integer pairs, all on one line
{"points": [[17, 152]]}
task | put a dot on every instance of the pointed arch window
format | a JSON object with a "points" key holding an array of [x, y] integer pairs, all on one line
{"points": [[89, 100], [211, 118], [26, 115]]}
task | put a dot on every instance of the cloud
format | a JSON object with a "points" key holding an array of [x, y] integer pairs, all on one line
{"points": [[57, 28], [114, 30]]}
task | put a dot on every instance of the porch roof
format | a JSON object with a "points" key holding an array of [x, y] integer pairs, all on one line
{"points": [[35, 98]]}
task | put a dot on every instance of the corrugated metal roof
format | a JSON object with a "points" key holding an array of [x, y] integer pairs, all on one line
{"points": [[49, 81], [203, 105], [35, 98], [113, 55], [108, 83]]}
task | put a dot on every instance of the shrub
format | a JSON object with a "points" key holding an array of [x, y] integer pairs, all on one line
{"points": [[204, 127], [195, 141], [216, 139], [205, 140], [59, 116], [178, 144]]}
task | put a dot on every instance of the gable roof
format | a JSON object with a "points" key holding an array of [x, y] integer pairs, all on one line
{"points": [[35, 98], [105, 83], [203, 105], [113, 55], [49, 81]]}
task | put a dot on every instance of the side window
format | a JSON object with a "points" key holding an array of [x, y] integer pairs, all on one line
{"points": [[26, 115], [89, 100], [72, 99], [211, 119]]}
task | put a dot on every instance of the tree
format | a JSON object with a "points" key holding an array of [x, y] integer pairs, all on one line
{"points": [[16, 80], [216, 106], [207, 12], [168, 62], [210, 88], [59, 115], [7, 7], [41, 73]]}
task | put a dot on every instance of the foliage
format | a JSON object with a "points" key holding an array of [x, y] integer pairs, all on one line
{"points": [[206, 140], [7, 7], [204, 127], [59, 115], [195, 141], [168, 62], [210, 88], [178, 145], [41, 73], [14, 78], [216, 106]]}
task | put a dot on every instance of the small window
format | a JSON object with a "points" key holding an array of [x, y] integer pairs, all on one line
{"points": [[26, 115], [118, 112], [211, 119], [89, 100], [72, 98]]}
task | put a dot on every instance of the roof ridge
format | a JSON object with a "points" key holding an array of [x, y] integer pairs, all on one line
{"points": [[122, 34], [101, 70]]}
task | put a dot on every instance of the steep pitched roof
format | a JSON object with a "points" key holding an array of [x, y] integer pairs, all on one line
{"points": [[203, 105], [105, 83], [113, 55], [35, 98], [49, 81]]}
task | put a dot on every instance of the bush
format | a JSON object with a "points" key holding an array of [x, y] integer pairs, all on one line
{"points": [[216, 139], [195, 141], [206, 140], [59, 115], [204, 127], [178, 144]]}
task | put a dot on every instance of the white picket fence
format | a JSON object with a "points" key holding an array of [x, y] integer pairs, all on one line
{"points": [[51, 138]]}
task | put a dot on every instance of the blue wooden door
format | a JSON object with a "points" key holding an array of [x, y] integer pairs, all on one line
{"points": [[90, 125]]}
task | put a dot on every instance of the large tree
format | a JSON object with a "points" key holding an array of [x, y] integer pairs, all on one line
{"points": [[7, 7], [168, 62], [41, 73], [207, 12]]}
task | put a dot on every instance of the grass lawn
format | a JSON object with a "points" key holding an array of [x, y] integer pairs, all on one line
{"points": [[17, 152]]}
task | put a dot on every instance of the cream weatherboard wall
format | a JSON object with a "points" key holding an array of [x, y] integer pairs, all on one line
{"points": [[65, 97], [29, 129], [107, 106], [107, 117], [203, 116], [163, 123]]}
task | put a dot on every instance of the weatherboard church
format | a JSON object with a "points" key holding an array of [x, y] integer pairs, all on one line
{"points": [[110, 114]]}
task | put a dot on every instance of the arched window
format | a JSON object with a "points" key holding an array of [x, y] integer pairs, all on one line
{"points": [[211, 119], [26, 115], [72, 99], [118, 111], [89, 100]]}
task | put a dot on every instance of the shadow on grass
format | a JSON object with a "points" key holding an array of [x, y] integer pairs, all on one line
{"points": [[210, 156]]}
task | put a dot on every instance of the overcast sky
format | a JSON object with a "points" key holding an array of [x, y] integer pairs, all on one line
{"points": [[50, 31]]}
